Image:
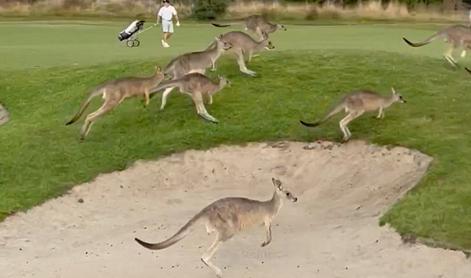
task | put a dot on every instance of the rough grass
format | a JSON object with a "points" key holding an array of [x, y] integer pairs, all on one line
{"points": [[42, 158], [370, 10]]}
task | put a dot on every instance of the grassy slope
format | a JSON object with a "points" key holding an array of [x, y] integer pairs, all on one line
{"points": [[41, 158]]}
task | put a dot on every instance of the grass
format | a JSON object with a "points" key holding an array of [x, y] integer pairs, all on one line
{"points": [[83, 43], [41, 158], [369, 10]]}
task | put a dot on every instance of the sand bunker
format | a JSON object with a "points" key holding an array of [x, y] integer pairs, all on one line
{"points": [[331, 232]]}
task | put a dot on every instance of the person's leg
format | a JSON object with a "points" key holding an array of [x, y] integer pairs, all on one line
{"points": [[169, 31], [165, 30]]}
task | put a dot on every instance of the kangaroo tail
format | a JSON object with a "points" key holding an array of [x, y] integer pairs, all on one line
{"points": [[309, 124], [426, 41], [84, 106], [332, 112], [220, 25], [184, 231], [163, 85], [468, 70]]}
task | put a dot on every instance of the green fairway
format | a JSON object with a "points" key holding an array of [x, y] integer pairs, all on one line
{"points": [[41, 44], [48, 68]]}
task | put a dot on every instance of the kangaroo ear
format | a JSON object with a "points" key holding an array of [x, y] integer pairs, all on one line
{"points": [[276, 183], [393, 91], [218, 38], [157, 68]]}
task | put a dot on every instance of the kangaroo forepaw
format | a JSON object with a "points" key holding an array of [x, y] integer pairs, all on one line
{"points": [[265, 243]]}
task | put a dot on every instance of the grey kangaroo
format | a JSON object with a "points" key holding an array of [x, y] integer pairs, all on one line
{"points": [[357, 103], [114, 92], [197, 86], [457, 36], [244, 47], [256, 24], [228, 217], [194, 62]]}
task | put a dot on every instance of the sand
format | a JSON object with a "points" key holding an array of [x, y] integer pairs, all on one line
{"points": [[332, 231]]}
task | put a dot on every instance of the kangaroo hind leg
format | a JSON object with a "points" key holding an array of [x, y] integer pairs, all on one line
{"points": [[92, 117], [345, 121], [200, 109], [241, 62], [206, 258], [449, 56]]}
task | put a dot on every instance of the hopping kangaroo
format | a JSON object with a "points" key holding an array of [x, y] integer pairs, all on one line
{"points": [[194, 62], [256, 24], [244, 47], [228, 217], [113, 93], [197, 86], [357, 103], [457, 36]]}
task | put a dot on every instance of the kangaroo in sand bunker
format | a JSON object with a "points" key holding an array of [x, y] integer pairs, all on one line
{"points": [[197, 86], [357, 103], [457, 36], [113, 93], [256, 24], [194, 62], [229, 216]]}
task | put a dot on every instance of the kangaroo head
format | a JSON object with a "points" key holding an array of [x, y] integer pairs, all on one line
{"points": [[224, 81], [269, 45], [283, 192], [158, 72], [397, 97], [222, 44], [281, 27]]}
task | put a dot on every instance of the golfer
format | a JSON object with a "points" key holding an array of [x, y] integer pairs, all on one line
{"points": [[166, 13]]}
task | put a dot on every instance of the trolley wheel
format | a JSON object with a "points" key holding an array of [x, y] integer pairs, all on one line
{"points": [[136, 43], [130, 43]]}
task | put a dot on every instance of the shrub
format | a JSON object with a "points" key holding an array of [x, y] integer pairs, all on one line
{"points": [[209, 9]]}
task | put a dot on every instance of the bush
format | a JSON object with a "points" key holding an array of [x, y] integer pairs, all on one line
{"points": [[209, 9]]}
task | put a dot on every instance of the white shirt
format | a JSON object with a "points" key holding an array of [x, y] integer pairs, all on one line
{"points": [[166, 13]]}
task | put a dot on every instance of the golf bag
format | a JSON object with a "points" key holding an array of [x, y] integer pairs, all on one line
{"points": [[130, 33]]}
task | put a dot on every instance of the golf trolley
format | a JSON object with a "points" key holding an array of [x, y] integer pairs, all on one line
{"points": [[131, 32]]}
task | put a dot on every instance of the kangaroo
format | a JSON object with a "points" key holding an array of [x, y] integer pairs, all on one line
{"points": [[244, 47], [357, 103], [113, 93], [228, 217], [256, 24], [197, 86], [194, 62], [457, 36]]}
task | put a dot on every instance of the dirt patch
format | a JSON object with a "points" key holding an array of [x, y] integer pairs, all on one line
{"points": [[4, 116], [331, 232]]}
